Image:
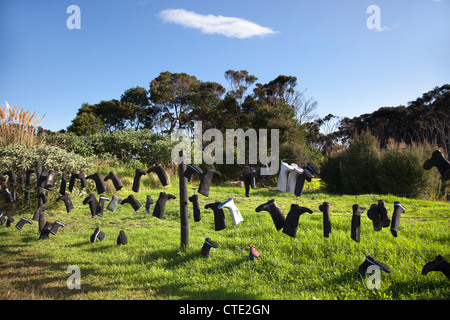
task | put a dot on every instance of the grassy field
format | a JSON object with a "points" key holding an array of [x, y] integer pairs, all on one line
{"points": [[151, 265]]}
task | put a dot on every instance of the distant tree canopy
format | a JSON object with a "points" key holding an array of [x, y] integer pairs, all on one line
{"points": [[175, 100], [425, 120]]}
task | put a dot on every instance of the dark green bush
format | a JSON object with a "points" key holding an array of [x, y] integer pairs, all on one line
{"points": [[359, 166], [401, 171], [363, 168]]}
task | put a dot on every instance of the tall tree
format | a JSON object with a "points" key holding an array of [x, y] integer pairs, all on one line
{"points": [[86, 121], [207, 104], [173, 93], [145, 112], [282, 92], [239, 82]]}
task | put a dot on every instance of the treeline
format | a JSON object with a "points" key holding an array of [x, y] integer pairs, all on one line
{"points": [[423, 121], [175, 100]]}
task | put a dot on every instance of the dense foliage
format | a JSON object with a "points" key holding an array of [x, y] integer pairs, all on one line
{"points": [[363, 168]]}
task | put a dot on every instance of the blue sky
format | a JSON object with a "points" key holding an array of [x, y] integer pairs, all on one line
{"points": [[347, 67]]}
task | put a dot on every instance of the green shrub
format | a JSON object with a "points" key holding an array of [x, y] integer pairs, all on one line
{"points": [[128, 146], [363, 168], [401, 171], [20, 158], [330, 174], [359, 166]]}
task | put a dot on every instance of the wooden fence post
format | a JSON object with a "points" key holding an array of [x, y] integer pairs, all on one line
{"points": [[184, 214]]}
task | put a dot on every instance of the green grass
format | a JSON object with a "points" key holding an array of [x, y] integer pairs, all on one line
{"points": [[151, 265]]}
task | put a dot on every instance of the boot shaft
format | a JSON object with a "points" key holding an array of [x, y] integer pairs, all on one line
{"points": [[236, 216], [395, 223], [205, 182]]}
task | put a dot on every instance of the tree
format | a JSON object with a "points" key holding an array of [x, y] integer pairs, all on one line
{"points": [[239, 82], [281, 91], [86, 122], [207, 105], [145, 113], [424, 120], [174, 93], [116, 115]]}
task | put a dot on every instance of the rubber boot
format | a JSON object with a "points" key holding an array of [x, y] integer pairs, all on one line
{"points": [[99, 184], [236, 216], [326, 221], [207, 245], [291, 224], [21, 181], [63, 185], [374, 215], [92, 201], [282, 184], [160, 205], [100, 205], [7, 195], [28, 174], [292, 178], [98, 234], [249, 175], [133, 201], [205, 182], [115, 180], [122, 238], [194, 200], [39, 211], [159, 170], [137, 179], [398, 210], [191, 169], [67, 202], [55, 227], [23, 222], [371, 261], [385, 221], [45, 232], [438, 264], [275, 212], [437, 160], [112, 204], [50, 179], [219, 216], [148, 203], [26, 195], [356, 223]]}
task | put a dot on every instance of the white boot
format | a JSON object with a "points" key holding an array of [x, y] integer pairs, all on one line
{"points": [[292, 178], [234, 211], [283, 176]]}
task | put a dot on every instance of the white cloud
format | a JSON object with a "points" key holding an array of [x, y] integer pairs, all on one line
{"points": [[231, 27]]}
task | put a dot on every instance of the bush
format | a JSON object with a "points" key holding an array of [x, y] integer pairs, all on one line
{"points": [[126, 145], [359, 166], [20, 158], [363, 168], [401, 170]]}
